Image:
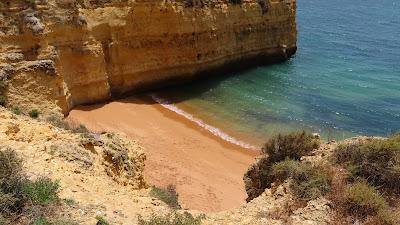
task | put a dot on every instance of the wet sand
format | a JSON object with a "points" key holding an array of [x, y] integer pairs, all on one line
{"points": [[206, 170]]}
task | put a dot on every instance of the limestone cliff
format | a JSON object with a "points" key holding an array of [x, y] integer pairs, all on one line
{"points": [[71, 52]]}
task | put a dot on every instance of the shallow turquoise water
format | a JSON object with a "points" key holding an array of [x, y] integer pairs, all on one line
{"points": [[343, 81]]}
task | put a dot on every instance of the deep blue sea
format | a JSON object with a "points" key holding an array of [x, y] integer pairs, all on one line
{"points": [[343, 81]]}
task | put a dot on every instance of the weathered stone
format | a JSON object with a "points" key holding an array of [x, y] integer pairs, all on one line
{"points": [[107, 48]]}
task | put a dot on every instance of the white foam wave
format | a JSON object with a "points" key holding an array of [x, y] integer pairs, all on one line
{"points": [[215, 131]]}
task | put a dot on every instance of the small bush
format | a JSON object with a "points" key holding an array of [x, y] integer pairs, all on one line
{"points": [[101, 221], [377, 161], [16, 111], [60, 123], [69, 201], [42, 191], [257, 178], [57, 122], [3, 100], [21, 198], [11, 181], [41, 221], [11, 165], [168, 195], [172, 219], [363, 200], [34, 113], [308, 182], [292, 146]]}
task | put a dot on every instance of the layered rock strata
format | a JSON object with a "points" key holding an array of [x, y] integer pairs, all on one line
{"points": [[72, 52]]}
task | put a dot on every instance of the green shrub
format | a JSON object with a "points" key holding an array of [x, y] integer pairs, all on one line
{"points": [[363, 200], [377, 161], [34, 113], [41, 221], [292, 146], [257, 178], [42, 191], [20, 197], [11, 165], [3, 100], [16, 111], [11, 181], [308, 182], [101, 221], [167, 195], [172, 219], [57, 122], [69, 201]]}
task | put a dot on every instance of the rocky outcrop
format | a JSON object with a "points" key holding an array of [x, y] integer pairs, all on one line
{"points": [[71, 52], [121, 159], [275, 206]]}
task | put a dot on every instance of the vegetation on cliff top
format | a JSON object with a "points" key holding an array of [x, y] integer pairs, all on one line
{"points": [[172, 219], [22, 200], [167, 195], [282, 152], [362, 180]]}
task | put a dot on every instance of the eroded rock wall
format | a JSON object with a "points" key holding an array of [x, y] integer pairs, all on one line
{"points": [[100, 49]]}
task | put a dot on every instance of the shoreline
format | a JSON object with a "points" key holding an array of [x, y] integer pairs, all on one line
{"points": [[199, 122], [206, 169]]}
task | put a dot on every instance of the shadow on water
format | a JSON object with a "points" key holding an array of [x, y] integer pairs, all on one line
{"points": [[196, 88]]}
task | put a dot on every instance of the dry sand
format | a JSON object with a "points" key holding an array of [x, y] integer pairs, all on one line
{"points": [[206, 170]]}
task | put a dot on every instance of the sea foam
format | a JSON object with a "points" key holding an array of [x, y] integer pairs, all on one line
{"points": [[213, 130]]}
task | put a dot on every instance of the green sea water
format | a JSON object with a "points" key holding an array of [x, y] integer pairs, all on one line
{"points": [[343, 81]]}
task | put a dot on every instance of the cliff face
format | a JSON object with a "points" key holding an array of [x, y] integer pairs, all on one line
{"points": [[80, 51]]}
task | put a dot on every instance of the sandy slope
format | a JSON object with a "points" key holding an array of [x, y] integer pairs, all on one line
{"points": [[206, 170]]}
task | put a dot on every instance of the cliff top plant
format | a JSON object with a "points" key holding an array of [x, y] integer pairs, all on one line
{"points": [[377, 161], [34, 113], [363, 199], [279, 148], [16, 110], [21, 197], [101, 221], [292, 146], [167, 195], [42, 191], [172, 219], [308, 182]]}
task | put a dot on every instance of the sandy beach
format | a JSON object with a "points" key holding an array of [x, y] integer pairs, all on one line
{"points": [[206, 170]]}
